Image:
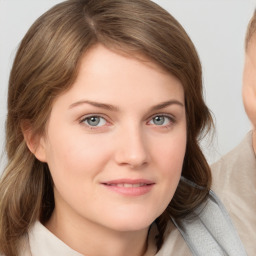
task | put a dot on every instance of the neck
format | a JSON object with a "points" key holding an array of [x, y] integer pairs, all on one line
{"points": [[92, 239]]}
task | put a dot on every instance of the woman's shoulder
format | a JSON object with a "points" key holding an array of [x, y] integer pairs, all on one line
{"points": [[24, 248], [174, 243]]}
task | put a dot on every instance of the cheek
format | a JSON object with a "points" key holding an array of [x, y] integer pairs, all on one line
{"points": [[170, 161], [75, 164], [170, 156], [77, 152], [249, 99]]}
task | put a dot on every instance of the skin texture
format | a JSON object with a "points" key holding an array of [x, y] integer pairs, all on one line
{"points": [[138, 131], [249, 85]]}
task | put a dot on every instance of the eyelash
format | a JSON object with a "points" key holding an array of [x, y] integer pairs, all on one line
{"points": [[85, 119], [171, 121], [169, 117]]}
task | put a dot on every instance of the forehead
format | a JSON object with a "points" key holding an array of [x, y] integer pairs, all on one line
{"points": [[99, 53], [108, 76], [100, 62]]}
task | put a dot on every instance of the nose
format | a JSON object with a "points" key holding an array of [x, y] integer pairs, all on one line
{"points": [[132, 148]]}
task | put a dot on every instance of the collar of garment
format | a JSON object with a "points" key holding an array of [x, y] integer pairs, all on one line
{"points": [[42, 242]]}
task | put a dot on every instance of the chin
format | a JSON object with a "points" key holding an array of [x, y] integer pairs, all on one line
{"points": [[131, 227], [132, 222]]}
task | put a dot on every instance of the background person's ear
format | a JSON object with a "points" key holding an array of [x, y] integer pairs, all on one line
{"points": [[35, 142]]}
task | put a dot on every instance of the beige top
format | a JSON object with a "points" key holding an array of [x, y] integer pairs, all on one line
{"points": [[41, 242], [234, 182]]}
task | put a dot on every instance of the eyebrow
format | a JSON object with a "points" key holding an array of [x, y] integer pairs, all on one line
{"points": [[166, 104], [95, 104], [116, 109]]}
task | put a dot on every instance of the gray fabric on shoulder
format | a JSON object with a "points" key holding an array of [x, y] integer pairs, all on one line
{"points": [[210, 232]]}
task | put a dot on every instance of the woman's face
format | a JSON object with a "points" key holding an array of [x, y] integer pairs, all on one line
{"points": [[115, 142]]}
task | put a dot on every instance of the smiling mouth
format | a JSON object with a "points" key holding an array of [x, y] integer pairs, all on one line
{"points": [[127, 185]]}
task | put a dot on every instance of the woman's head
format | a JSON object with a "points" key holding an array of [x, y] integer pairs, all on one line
{"points": [[46, 66]]}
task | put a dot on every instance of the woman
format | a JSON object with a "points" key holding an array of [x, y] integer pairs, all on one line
{"points": [[105, 113]]}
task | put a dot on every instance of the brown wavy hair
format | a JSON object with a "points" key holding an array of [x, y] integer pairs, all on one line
{"points": [[46, 64]]}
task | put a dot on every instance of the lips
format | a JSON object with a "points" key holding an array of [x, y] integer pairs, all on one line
{"points": [[129, 187]]}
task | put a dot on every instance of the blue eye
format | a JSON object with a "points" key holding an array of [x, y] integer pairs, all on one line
{"points": [[160, 120], [94, 121]]}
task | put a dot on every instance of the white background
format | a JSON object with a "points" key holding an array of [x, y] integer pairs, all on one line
{"points": [[217, 28]]}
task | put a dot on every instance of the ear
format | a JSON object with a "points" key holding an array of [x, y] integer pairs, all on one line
{"points": [[35, 142]]}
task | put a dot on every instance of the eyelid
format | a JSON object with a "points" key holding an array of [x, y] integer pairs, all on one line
{"points": [[170, 116], [85, 117], [101, 115], [108, 123]]}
